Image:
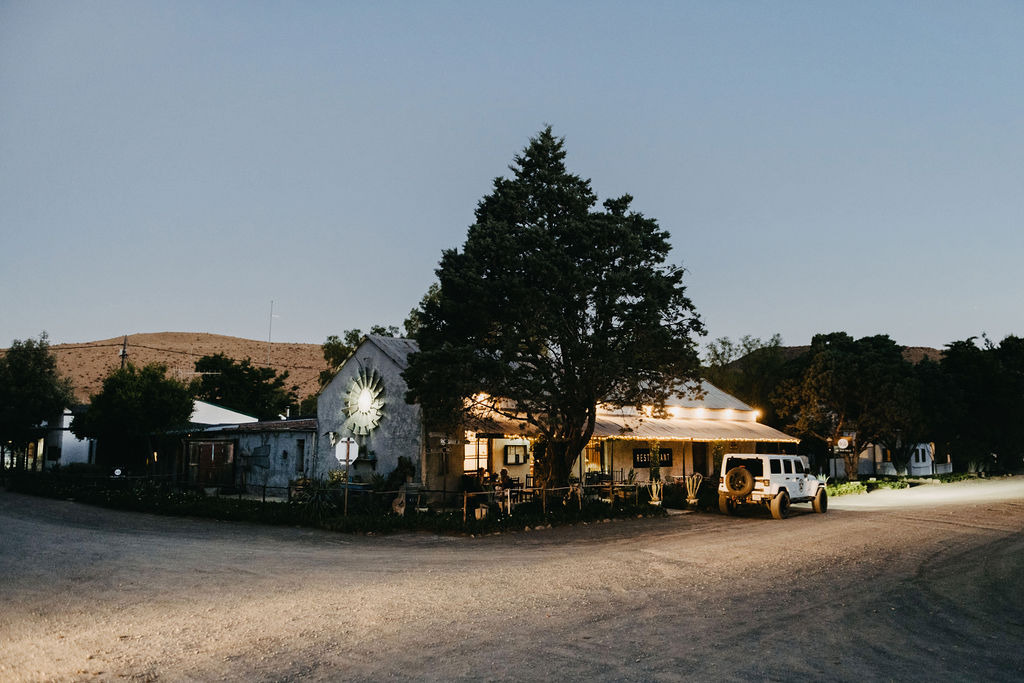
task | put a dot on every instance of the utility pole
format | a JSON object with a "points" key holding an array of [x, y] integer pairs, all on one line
{"points": [[270, 330], [124, 352]]}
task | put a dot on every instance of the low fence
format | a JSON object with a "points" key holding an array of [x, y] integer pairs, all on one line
{"points": [[356, 498]]}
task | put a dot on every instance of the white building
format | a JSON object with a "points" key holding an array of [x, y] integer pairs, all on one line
{"points": [[365, 403]]}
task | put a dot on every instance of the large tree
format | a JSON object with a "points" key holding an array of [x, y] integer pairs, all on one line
{"points": [[242, 386], [31, 392], [986, 382], [553, 307], [820, 398], [890, 411], [862, 389], [133, 406]]}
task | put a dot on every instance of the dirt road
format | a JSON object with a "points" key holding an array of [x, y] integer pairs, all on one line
{"points": [[909, 585]]}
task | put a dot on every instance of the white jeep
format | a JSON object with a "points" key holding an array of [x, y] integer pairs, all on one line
{"points": [[774, 481]]}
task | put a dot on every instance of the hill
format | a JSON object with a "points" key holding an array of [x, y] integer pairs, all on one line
{"points": [[912, 354], [89, 362]]}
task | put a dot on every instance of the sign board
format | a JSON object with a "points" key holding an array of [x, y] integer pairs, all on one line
{"points": [[346, 451], [642, 457]]}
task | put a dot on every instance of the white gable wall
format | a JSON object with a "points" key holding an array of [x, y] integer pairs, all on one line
{"points": [[399, 433]]}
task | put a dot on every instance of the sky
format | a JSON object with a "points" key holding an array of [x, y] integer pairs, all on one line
{"points": [[176, 166]]}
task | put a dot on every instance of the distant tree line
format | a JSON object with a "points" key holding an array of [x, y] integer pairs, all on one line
{"points": [[968, 403]]}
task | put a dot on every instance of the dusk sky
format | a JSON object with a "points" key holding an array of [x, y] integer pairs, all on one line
{"points": [[821, 166]]}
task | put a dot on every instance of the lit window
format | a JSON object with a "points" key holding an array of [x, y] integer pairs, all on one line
{"points": [[476, 455]]}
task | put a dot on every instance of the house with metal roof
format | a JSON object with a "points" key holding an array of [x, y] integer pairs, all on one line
{"points": [[366, 425]]}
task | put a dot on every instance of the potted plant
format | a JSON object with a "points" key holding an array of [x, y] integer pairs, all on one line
{"points": [[692, 487], [656, 484]]}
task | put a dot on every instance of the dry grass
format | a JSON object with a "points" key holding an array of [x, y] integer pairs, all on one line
{"points": [[88, 363]]}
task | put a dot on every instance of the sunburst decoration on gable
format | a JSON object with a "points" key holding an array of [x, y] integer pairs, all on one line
{"points": [[364, 401]]}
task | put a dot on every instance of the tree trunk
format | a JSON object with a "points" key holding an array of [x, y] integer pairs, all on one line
{"points": [[561, 462], [850, 462], [553, 462]]}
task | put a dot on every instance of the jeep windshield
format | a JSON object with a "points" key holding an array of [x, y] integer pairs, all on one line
{"points": [[752, 464]]}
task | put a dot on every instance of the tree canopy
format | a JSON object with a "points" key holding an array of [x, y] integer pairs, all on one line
{"points": [[553, 306], [983, 388], [133, 405], [242, 386], [863, 389], [31, 390]]}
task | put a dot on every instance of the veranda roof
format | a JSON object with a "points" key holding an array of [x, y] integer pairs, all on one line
{"points": [[686, 429], [624, 426]]}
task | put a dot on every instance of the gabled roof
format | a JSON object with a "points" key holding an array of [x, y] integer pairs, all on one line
{"points": [[713, 398], [395, 348]]}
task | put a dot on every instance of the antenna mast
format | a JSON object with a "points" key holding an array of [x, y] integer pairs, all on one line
{"points": [[270, 330]]}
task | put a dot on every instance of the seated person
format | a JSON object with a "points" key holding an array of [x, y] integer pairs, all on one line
{"points": [[486, 479], [505, 481]]}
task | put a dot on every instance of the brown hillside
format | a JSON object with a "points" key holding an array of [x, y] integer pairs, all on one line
{"points": [[89, 362], [912, 354]]}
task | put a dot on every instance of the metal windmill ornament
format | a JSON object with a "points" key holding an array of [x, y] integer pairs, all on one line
{"points": [[364, 402]]}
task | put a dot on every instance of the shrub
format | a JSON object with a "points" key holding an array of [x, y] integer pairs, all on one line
{"points": [[846, 488], [319, 506]]}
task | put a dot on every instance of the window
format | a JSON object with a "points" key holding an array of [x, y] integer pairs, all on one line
{"points": [[787, 466], [592, 457], [798, 466], [753, 465], [515, 454], [476, 455], [775, 466], [300, 455]]}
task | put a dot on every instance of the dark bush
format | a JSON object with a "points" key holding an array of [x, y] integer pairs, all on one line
{"points": [[312, 505]]}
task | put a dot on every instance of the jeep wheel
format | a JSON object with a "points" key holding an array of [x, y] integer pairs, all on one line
{"points": [[739, 481], [820, 503], [780, 505], [725, 504]]}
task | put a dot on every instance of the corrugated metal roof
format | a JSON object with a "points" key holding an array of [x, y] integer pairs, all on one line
{"points": [[713, 398], [609, 426], [306, 424], [686, 428]]}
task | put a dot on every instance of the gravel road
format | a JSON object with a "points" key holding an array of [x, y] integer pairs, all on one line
{"points": [[925, 583]]}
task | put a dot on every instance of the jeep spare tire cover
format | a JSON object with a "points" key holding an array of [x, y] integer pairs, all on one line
{"points": [[739, 481]]}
